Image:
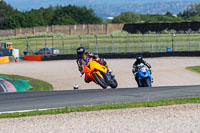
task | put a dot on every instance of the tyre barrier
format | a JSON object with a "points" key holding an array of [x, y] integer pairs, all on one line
{"points": [[4, 59], [34, 57], [125, 55]]}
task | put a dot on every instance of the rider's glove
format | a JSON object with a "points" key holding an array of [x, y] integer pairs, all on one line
{"points": [[89, 53], [150, 71], [134, 74], [102, 60], [133, 71]]}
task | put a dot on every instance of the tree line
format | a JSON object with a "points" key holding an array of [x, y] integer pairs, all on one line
{"points": [[58, 15], [11, 18], [192, 13]]}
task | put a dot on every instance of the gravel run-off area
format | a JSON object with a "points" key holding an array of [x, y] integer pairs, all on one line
{"points": [[168, 119], [63, 75]]}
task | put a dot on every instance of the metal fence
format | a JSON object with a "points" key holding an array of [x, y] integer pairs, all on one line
{"points": [[112, 43]]}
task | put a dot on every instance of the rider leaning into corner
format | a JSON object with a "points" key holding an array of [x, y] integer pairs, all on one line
{"points": [[139, 61], [83, 58]]}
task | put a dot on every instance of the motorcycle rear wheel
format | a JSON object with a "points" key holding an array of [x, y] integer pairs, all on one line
{"points": [[100, 81]]}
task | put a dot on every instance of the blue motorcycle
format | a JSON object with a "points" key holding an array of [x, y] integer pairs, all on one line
{"points": [[144, 76]]}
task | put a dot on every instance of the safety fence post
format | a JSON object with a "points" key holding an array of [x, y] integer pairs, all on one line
{"points": [[188, 33], [45, 43], [152, 47], [128, 42], [174, 35], [96, 44], [112, 43], [28, 45], [143, 47], [134, 46], [158, 41], [80, 40], [27, 42], [199, 46], [63, 45]]}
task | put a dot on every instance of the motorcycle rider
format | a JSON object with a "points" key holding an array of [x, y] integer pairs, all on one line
{"points": [[83, 58], [139, 61]]}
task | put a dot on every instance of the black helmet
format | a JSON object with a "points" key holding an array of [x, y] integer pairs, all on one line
{"points": [[139, 58], [80, 52]]}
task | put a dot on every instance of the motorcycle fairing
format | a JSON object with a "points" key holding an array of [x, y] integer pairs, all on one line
{"points": [[143, 72]]}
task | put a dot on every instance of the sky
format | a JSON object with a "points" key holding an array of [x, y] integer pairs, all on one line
{"points": [[29, 4], [108, 8]]}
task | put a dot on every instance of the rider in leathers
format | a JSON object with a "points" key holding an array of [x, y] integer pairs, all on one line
{"points": [[139, 60], [83, 59]]}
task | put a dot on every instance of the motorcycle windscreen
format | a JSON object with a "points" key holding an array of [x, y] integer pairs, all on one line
{"points": [[143, 72]]}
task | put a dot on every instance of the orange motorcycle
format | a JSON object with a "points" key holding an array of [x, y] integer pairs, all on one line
{"points": [[98, 73]]}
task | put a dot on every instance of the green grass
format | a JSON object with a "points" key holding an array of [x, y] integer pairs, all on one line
{"points": [[103, 107], [120, 42], [38, 85], [194, 68]]}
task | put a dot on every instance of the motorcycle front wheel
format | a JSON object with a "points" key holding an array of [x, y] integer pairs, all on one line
{"points": [[100, 81], [114, 83], [147, 82]]}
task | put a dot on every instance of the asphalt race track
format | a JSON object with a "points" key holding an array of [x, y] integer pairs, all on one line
{"points": [[53, 99]]}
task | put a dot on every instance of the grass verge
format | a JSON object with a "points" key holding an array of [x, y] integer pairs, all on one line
{"points": [[103, 107], [194, 68], [38, 85]]}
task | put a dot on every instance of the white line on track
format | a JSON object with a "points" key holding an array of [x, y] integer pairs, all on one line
{"points": [[22, 111]]}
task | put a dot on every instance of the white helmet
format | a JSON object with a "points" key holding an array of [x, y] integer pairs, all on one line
{"points": [[75, 86]]}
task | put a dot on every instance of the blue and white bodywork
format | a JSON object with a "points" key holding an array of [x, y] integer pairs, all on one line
{"points": [[144, 76]]}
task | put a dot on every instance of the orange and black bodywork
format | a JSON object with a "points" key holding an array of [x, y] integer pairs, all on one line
{"points": [[91, 68]]}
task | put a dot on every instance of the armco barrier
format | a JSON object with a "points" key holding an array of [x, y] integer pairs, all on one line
{"points": [[125, 55], [59, 57]]}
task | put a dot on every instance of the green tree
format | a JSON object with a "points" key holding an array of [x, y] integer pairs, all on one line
{"points": [[127, 17], [169, 14], [16, 20], [130, 17], [5, 11], [81, 15], [49, 14], [36, 18], [193, 10], [64, 20], [59, 15], [163, 18], [194, 18]]}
